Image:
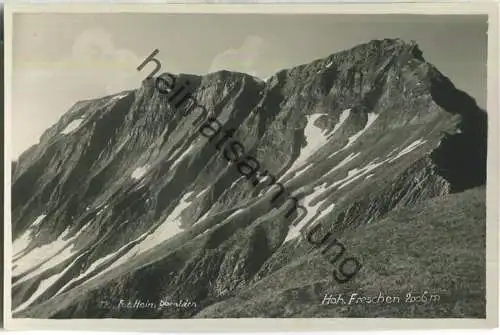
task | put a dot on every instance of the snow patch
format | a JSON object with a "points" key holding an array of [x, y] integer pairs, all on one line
{"points": [[42, 287], [72, 126], [265, 179], [49, 255], [408, 149], [203, 217], [392, 151], [168, 229], [95, 265], [22, 242], [236, 212], [328, 65], [116, 98], [296, 172], [311, 212], [371, 118], [102, 209], [342, 118], [38, 220], [184, 154], [345, 161], [119, 96], [356, 173], [325, 211], [302, 170], [176, 151], [315, 139], [140, 172], [46, 257], [205, 190], [233, 184], [57, 260]]}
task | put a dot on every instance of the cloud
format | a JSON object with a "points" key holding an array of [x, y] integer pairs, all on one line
{"points": [[92, 67], [242, 59], [95, 53]]}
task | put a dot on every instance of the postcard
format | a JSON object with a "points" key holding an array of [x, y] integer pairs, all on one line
{"points": [[251, 167]]}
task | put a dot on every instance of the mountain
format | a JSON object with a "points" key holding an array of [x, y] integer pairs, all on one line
{"points": [[126, 208], [2, 155]]}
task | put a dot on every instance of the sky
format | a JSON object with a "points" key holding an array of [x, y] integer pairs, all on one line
{"points": [[59, 59]]}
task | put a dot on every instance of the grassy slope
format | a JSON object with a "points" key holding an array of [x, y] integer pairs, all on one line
{"points": [[438, 246]]}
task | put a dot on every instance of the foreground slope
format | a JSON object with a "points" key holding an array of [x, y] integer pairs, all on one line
{"points": [[123, 199], [435, 247]]}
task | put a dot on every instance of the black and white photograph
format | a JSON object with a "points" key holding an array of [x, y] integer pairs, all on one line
{"points": [[232, 165]]}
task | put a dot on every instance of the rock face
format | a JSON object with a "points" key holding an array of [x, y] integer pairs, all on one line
{"points": [[125, 210]]}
